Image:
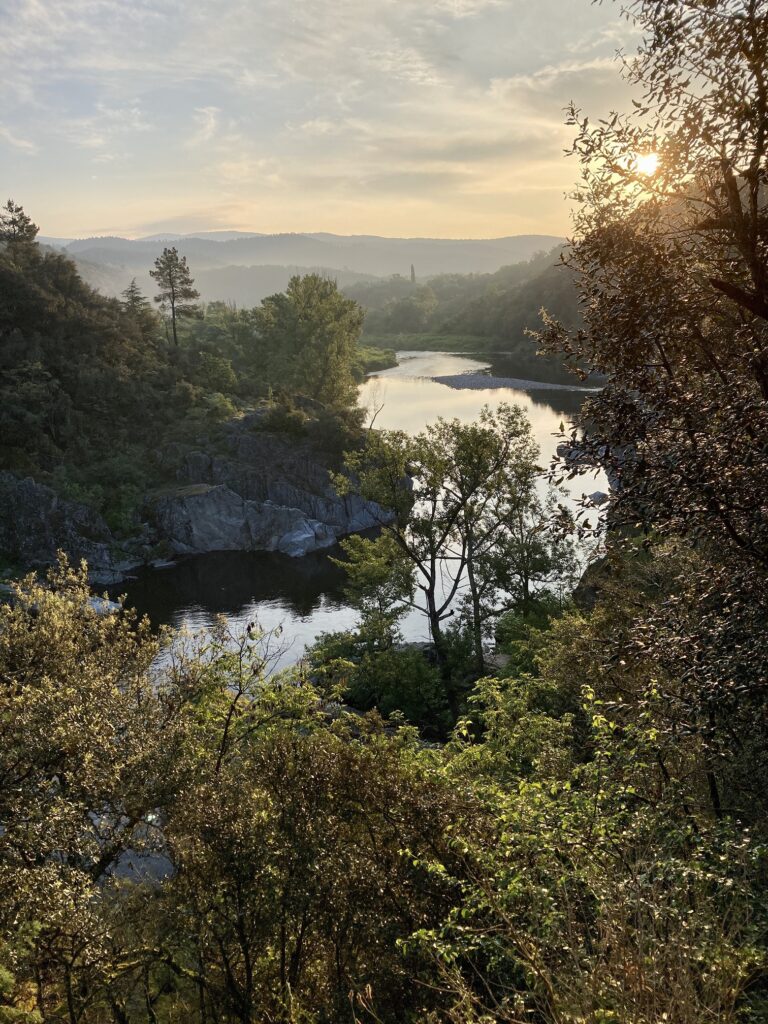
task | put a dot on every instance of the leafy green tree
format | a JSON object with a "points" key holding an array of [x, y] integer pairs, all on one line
{"points": [[452, 488], [672, 268], [307, 340], [84, 737], [532, 558], [586, 900], [411, 314], [177, 293], [291, 889]]}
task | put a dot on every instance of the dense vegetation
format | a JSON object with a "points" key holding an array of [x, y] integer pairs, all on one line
{"points": [[474, 312], [204, 842], [94, 390]]}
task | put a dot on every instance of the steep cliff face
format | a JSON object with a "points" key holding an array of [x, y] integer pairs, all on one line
{"points": [[257, 492], [262, 492], [206, 517], [35, 523]]}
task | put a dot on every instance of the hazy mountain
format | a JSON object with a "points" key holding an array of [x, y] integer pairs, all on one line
{"points": [[55, 243], [245, 286], [216, 236], [360, 254]]}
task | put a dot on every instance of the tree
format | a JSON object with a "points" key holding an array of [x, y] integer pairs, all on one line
{"points": [[453, 489], [671, 259], [175, 282], [85, 746], [413, 312], [307, 339], [16, 228], [17, 240], [138, 310], [534, 555]]}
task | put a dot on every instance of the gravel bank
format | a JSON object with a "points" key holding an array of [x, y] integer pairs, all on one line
{"points": [[482, 381]]}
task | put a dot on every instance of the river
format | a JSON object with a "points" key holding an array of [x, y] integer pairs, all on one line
{"points": [[305, 596]]}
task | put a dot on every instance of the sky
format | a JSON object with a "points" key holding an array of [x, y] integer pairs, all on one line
{"points": [[439, 118]]}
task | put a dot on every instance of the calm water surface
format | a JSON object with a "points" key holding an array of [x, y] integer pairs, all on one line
{"points": [[305, 595]]}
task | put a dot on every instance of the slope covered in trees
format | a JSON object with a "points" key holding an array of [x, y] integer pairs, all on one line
{"points": [[93, 390], [199, 842], [475, 312]]}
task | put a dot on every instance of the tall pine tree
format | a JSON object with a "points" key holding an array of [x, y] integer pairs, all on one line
{"points": [[177, 293]]}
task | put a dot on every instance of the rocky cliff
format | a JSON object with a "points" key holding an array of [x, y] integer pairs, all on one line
{"points": [[205, 517], [249, 491], [35, 523], [259, 492]]}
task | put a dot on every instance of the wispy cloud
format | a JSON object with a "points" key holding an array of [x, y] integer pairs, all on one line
{"points": [[417, 116], [103, 126], [24, 145], [207, 121]]}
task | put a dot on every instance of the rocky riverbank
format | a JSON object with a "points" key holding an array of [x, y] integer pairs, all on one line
{"points": [[251, 490], [483, 381]]}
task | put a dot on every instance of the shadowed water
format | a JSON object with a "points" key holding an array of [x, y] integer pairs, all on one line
{"points": [[305, 595]]}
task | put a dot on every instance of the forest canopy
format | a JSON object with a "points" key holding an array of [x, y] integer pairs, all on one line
{"points": [[93, 389]]}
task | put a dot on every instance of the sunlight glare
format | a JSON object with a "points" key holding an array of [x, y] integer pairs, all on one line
{"points": [[647, 163]]}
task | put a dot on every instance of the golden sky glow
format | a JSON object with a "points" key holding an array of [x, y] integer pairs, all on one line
{"points": [[396, 117]]}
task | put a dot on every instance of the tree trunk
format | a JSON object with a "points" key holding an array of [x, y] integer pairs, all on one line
{"points": [[477, 624], [173, 325]]}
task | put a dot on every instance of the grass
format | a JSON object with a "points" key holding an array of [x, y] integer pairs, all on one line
{"points": [[371, 358], [431, 342]]}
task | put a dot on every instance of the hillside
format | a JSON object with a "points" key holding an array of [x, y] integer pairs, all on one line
{"points": [[120, 259], [245, 286], [474, 312], [99, 414]]}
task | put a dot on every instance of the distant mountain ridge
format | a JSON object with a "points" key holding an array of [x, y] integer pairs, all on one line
{"points": [[366, 254], [218, 260]]}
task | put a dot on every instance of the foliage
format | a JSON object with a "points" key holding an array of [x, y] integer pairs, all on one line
{"points": [[589, 845], [370, 359], [474, 312], [672, 269], [94, 401], [468, 520], [177, 293], [306, 340], [277, 886], [84, 738]]}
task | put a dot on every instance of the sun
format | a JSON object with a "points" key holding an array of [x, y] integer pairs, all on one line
{"points": [[646, 163]]}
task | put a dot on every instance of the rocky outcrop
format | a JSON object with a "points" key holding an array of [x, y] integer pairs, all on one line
{"points": [[260, 492], [35, 523], [206, 517], [256, 491]]}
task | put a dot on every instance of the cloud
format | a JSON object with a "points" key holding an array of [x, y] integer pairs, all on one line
{"points": [[103, 126], [382, 114], [465, 8], [207, 120], [24, 145]]}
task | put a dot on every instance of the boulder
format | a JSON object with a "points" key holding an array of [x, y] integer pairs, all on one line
{"points": [[271, 470], [212, 517]]}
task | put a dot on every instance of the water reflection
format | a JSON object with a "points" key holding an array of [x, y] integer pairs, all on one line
{"points": [[408, 399], [305, 595], [226, 582]]}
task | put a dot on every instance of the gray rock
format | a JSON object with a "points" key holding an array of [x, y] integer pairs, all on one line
{"points": [[35, 523], [205, 517], [283, 478]]}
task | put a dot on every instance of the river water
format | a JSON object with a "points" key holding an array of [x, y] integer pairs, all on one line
{"points": [[305, 596]]}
